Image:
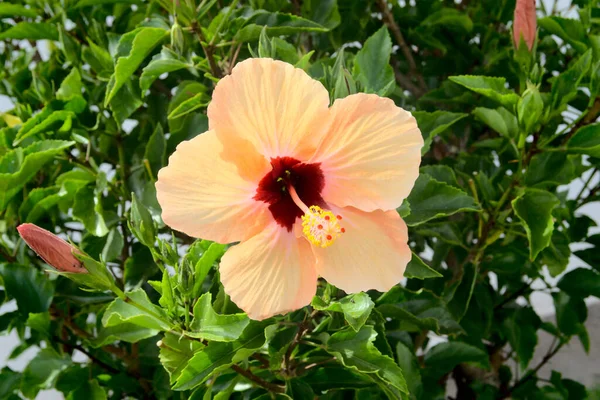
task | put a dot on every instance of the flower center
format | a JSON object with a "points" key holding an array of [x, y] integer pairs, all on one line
{"points": [[288, 188]]}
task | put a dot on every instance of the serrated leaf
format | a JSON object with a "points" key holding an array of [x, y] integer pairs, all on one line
{"points": [[564, 86], [355, 307], [372, 64], [277, 24], [175, 353], [31, 31], [205, 263], [32, 289], [218, 356], [442, 358], [500, 120], [20, 165], [492, 87], [534, 209], [165, 62], [198, 101], [570, 30], [432, 124], [144, 42], [520, 329], [431, 199], [356, 350], [417, 269], [147, 315], [14, 10], [46, 120], [586, 141], [130, 333], [209, 325]]}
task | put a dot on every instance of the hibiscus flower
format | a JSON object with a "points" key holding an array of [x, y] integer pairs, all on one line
{"points": [[308, 190]]}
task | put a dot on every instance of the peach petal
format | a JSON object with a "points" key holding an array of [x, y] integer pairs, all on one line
{"points": [[271, 273], [277, 108], [204, 196], [372, 253], [371, 154]]}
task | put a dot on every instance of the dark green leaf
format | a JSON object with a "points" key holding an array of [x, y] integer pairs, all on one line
{"points": [[32, 289], [372, 64], [500, 120], [416, 268], [586, 141], [433, 124], [443, 357], [31, 31], [355, 307], [581, 283]]}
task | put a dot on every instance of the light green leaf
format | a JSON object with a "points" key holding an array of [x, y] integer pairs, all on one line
{"points": [[44, 122], [31, 288], [586, 141], [431, 199], [218, 356], [166, 61], [71, 86], [417, 269], [534, 209], [156, 151], [443, 357], [114, 245], [356, 351], [372, 64], [125, 102], [209, 325], [355, 307], [175, 353], [500, 120], [146, 314], [20, 165], [432, 124], [140, 223], [31, 31], [488, 86], [205, 263], [16, 10], [99, 60], [144, 42], [198, 101]]}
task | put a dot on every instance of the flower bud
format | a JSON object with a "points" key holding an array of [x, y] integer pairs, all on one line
{"points": [[525, 23], [52, 249]]}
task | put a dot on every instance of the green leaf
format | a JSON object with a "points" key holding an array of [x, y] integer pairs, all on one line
{"points": [[556, 255], [520, 329], [125, 102], [141, 223], [410, 369], [488, 86], [372, 64], [87, 208], [323, 12], [114, 245], [175, 353], [356, 351], [16, 10], [355, 307], [143, 313], [549, 168], [417, 269], [571, 313], [57, 120], [441, 173], [581, 283], [165, 62], [198, 101], [90, 390], [143, 43], [570, 30], [336, 377], [500, 120], [586, 141], [71, 86], [156, 151], [442, 358], [99, 60], [462, 291], [38, 202], [205, 263], [218, 356], [42, 371], [431, 199], [130, 333], [31, 31], [31, 288], [433, 124], [564, 86], [277, 24], [20, 165], [209, 325], [70, 47], [449, 18], [298, 389], [534, 209], [529, 110]]}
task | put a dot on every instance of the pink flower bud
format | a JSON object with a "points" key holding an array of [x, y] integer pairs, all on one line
{"points": [[525, 23], [52, 249]]}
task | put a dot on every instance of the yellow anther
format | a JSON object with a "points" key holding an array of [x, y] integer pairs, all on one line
{"points": [[321, 227]]}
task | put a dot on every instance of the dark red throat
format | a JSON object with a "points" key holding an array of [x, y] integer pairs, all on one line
{"points": [[307, 179]]}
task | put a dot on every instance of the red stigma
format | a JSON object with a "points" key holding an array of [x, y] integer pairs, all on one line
{"points": [[329, 237], [320, 227]]}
